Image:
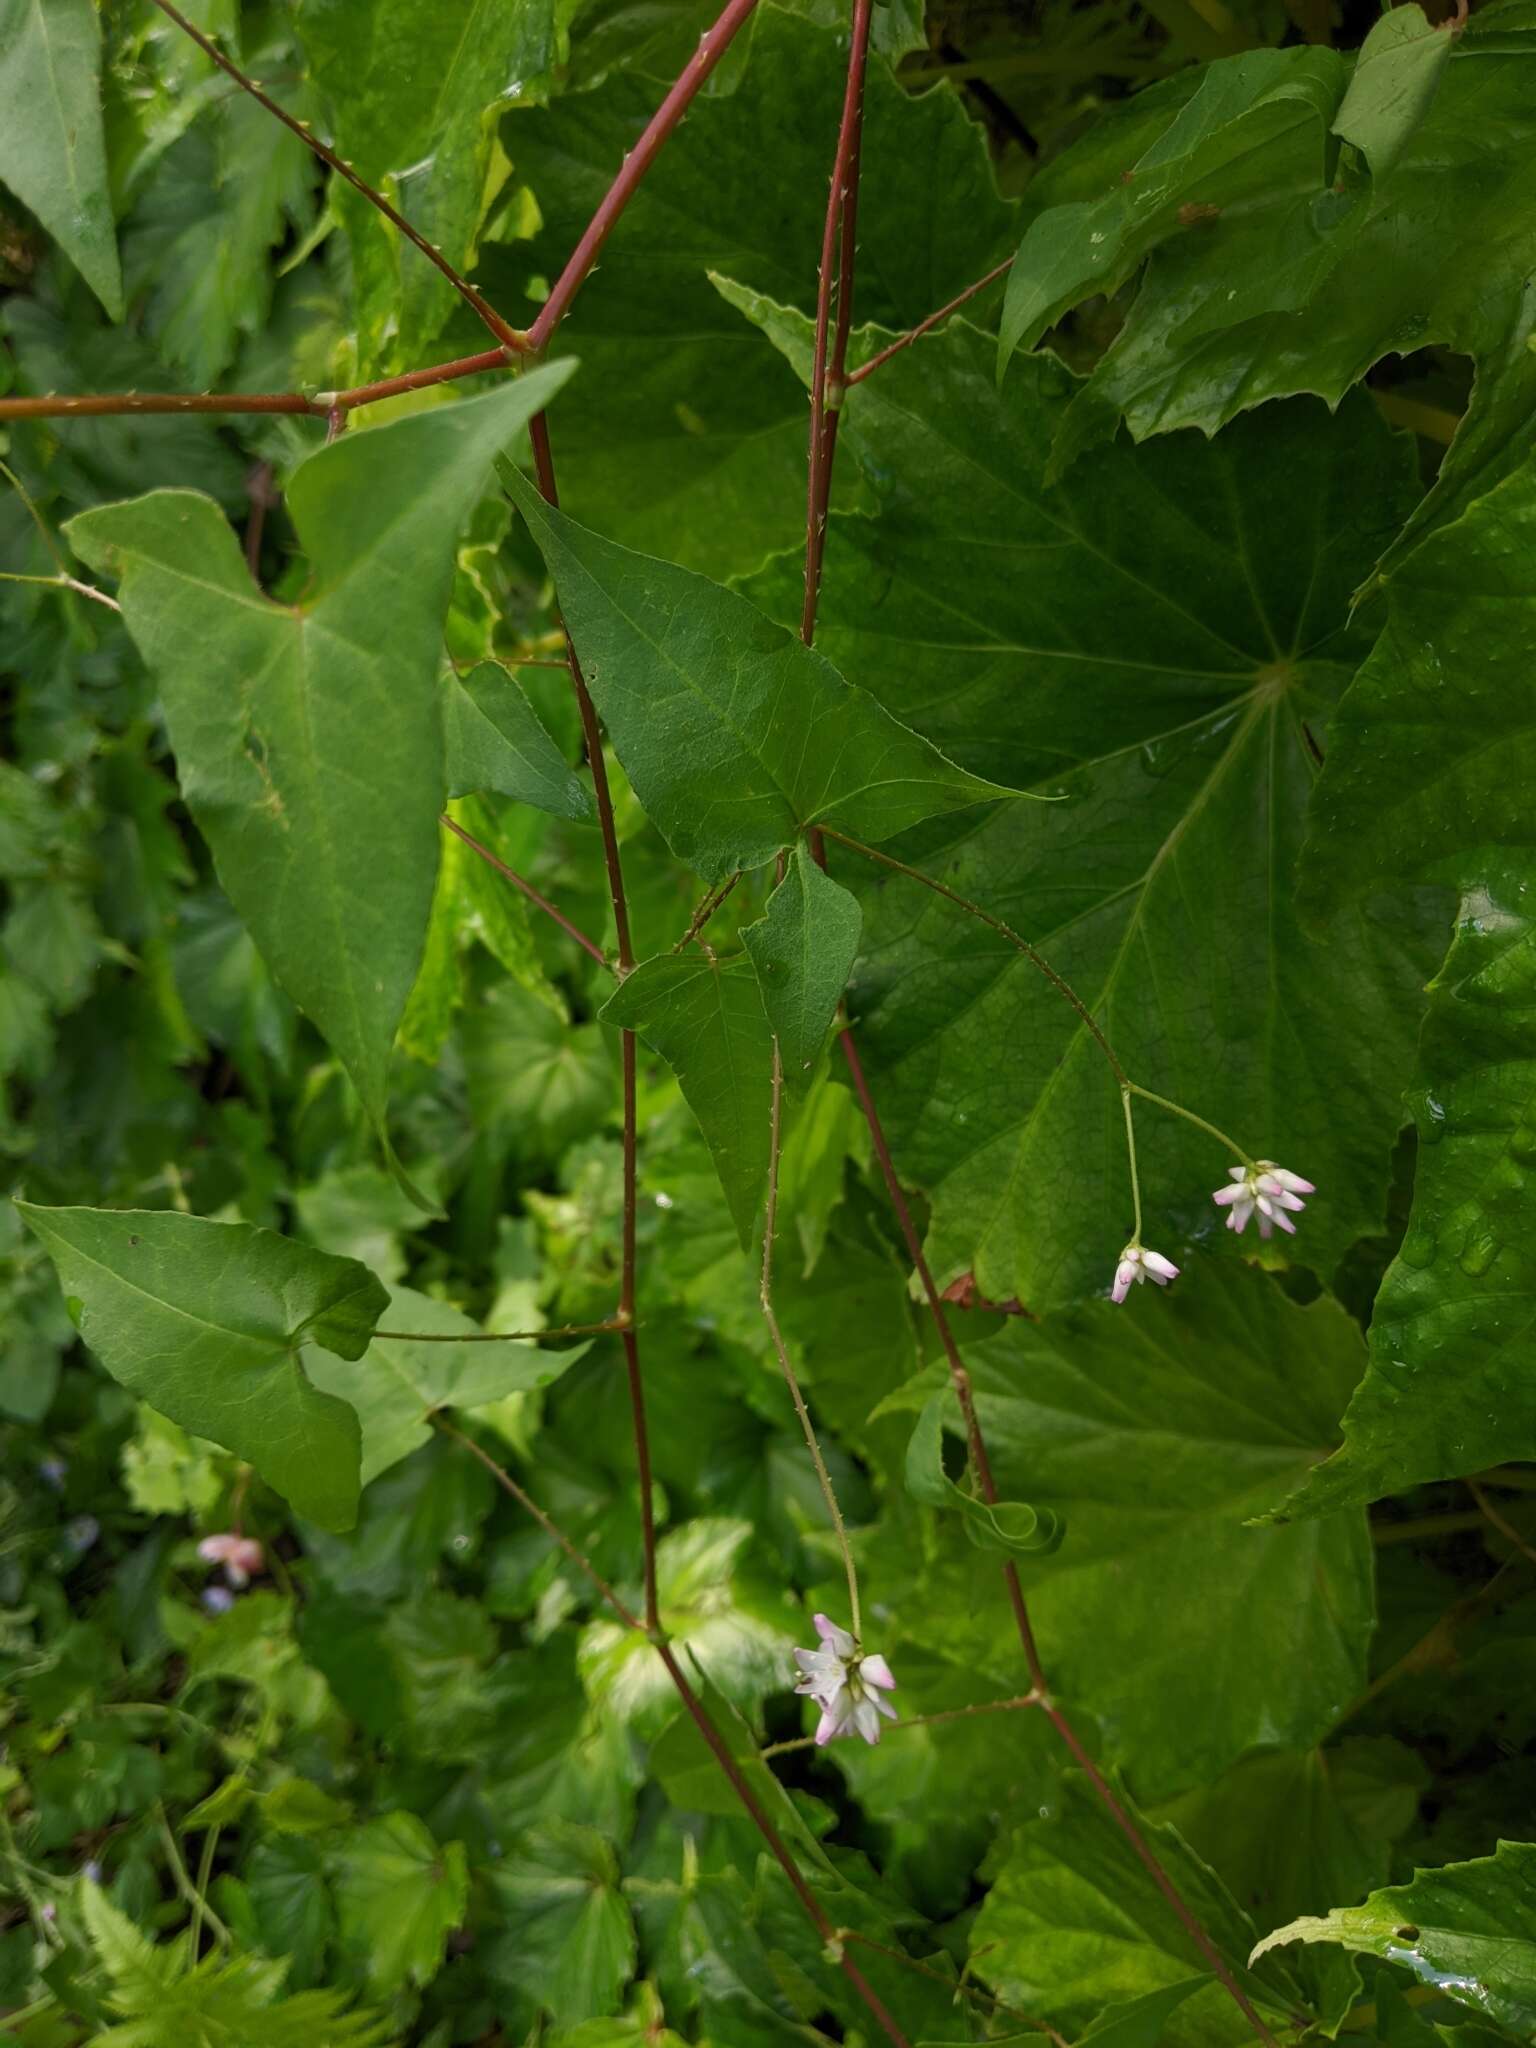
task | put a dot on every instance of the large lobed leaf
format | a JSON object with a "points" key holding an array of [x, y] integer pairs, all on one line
{"points": [[1156, 643], [1468, 1931], [309, 739], [1272, 274], [1429, 773]]}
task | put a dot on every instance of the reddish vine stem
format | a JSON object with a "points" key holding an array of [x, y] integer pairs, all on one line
{"points": [[818, 491], [837, 262], [544, 469], [534, 896], [713, 45], [926, 326], [505, 334], [716, 1743]]}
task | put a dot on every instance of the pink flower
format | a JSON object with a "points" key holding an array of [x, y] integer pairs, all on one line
{"points": [[1266, 1191], [1136, 1265], [241, 1556], [839, 1677]]}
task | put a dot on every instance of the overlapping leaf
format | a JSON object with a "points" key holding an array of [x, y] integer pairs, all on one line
{"points": [[309, 741], [1154, 1434], [1429, 769], [690, 441], [1268, 279], [1156, 643], [1467, 1931], [734, 736]]}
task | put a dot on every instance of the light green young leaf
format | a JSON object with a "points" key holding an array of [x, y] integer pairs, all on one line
{"points": [[1430, 760], [706, 1019], [733, 734], [495, 743], [1467, 1930], [51, 150], [1246, 115], [566, 1938], [309, 740], [413, 95], [803, 948], [206, 1321], [399, 1895], [397, 1386], [1392, 88], [167, 1472], [1009, 1526]]}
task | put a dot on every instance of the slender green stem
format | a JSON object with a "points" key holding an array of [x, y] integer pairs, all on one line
{"points": [[201, 1910], [1036, 959], [786, 1365], [1200, 1123], [1130, 1147], [1026, 1699]]}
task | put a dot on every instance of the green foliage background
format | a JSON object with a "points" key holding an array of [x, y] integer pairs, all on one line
{"points": [[1179, 608]]}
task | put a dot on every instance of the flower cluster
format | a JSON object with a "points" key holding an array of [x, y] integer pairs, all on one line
{"points": [[1261, 1189], [838, 1676], [241, 1556], [1265, 1191]]}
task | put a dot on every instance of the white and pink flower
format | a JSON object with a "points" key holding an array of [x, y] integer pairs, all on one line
{"points": [[845, 1684], [1266, 1191], [241, 1556], [1138, 1264]]}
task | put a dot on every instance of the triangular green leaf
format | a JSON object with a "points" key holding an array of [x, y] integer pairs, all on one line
{"points": [[1396, 77], [803, 949], [396, 1386], [734, 735], [496, 744], [309, 741], [206, 1320], [706, 1019], [51, 150]]}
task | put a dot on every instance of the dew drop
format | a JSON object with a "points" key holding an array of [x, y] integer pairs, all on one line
{"points": [[1478, 1254], [1429, 1115], [1418, 1248]]}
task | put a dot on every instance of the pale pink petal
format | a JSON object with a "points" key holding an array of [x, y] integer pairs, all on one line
{"points": [[828, 1726], [1162, 1270], [837, 1639], [1125, 1273], [218, 1549], [884, 1707], [867, 1721], [1236, 1193], [1266, 1228], [1291, 1182], [875, 1671], [1285, 1222], [246, 1556], [1237, 1173]]}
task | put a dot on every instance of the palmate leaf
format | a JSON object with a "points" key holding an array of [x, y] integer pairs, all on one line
{"points": [[205, 1321], [1156, 643], [734, 736], [1074, 1924], [1429, 772], [690, 439], [309, 740], [1154, 1437], [52, 154], [1468, 1931], [399, 1895], [1268, 279]]}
